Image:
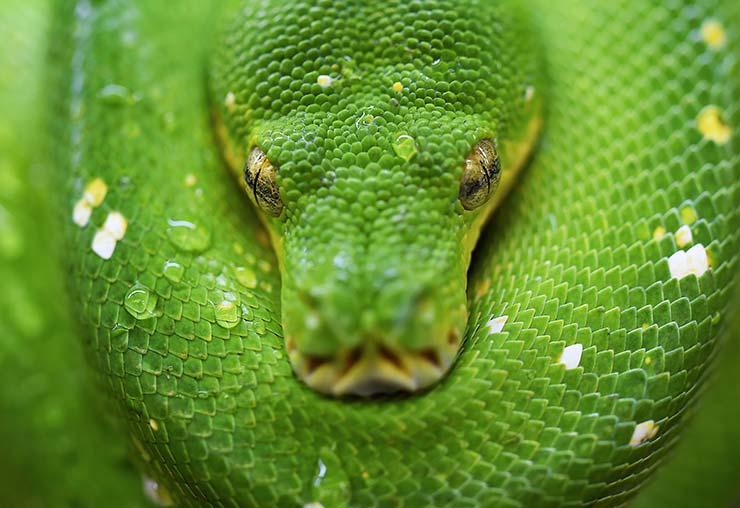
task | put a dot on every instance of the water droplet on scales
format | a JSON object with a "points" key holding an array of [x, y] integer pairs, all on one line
{"points": [[156, 492], [228, 313], [117, 95], [188, 236], [405, 147], [246, 276], [330, 486], [141, 302]]}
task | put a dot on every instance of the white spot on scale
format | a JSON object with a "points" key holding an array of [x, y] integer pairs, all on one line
{"points": [[116, 225], [528, 93], [684, 236], [92, 197], [104, 241], [693, 261], [495, 325], [81, 213], [104, 244], [713, 33], [95, 192], [230, 101], [323, 80], [643, 431], [712, 125], [659, 233], [571, 356]]}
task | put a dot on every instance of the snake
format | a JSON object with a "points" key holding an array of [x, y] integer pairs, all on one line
{"points": [[370, 254]]}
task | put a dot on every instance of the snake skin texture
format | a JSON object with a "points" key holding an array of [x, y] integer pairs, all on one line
{"points": [[598, 294]]}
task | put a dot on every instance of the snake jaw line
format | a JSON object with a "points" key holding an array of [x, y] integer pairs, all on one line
{"points": [[374, 368]]}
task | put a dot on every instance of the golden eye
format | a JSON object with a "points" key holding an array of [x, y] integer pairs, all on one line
{"points": [[260, 176], [481, 175]]}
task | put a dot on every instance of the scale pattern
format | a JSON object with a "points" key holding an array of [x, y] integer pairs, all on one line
{"points": [[584, 323]]}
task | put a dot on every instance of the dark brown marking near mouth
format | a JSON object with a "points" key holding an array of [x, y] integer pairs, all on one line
{"points": [[432, 357], [392, 357], [313, 362], [352, 358], [453, 338]]}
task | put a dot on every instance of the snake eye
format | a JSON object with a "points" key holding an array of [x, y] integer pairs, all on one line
{"points": [[481, 175], [260, 176]]}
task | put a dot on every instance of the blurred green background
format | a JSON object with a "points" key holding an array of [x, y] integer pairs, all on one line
{"points": [[56, 447]]}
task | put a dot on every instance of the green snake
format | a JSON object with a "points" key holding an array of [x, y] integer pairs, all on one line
{"points": [[266, 214]]}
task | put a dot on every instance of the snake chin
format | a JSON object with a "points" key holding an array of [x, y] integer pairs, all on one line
{"points": [[374, 368]]}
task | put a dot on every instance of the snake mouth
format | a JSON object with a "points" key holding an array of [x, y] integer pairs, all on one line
{"points": [[374, 368]]}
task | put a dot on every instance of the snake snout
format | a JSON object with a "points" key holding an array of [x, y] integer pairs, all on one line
{"points": [[403, 338]]}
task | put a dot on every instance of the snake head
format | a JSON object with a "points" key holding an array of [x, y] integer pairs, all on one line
{"points": [[374, 159]]}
